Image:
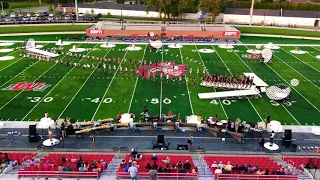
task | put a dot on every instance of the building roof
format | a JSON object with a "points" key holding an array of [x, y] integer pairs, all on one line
{"points": [[271, 12], [104, 5]]}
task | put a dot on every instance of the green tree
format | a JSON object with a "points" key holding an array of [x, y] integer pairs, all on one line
{"points": [[109, 15], [212, 6], [92, 11]]}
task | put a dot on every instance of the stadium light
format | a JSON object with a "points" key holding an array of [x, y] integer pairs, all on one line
{"points": [[251, 12], [76, 7]]}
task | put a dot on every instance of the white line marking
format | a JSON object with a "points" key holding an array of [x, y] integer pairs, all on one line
{"points": [[204, 66], [161, 86], [301, 60], [297, 72], [186, 84], [105, 93], [137, 78], [53, 88], [81, 88]]}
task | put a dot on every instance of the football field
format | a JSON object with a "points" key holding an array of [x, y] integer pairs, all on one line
{"points": [[94, 93]]}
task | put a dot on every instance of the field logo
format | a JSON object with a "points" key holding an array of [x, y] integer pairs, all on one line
{"points": [[25, 86], [95, 31], [252, 56], [230, 33], [164, 68]]}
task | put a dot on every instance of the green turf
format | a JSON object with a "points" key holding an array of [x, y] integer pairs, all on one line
{"points": [[278, 31], [25, 5], [52, 28], [84, 94], [265, 40]]}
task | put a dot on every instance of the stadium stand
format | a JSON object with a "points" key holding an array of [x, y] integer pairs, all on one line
{"points": [[19, 157], [257, 177], [305, 161]]}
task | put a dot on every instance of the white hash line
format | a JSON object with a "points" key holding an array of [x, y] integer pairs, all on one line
{"points": [[251, 71], [300, 60], [11, 63], [297, 72], [204, 66], [20, 72], [186, 84], [105, 93], [135, 86], [81, 87], [291, 87], [45, 96]]}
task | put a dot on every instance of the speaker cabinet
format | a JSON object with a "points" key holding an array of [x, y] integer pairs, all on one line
{"points": [[32, 130], [287, 134], [316, 23], [160, 139]]}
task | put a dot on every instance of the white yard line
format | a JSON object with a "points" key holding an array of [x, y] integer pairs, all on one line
{"points": [[231, 74], [289, 85], [23, 90], [300, 60], [135, 86], [54, 86], [20, 72], [297, 72], [81, 87], [161, 83], [186, 84], [105, 93]]}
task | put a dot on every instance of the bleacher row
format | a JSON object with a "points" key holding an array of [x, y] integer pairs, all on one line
{"points": [[263, 162]]}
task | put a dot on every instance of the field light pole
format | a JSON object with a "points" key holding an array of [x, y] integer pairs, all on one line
{"points": [[251, 12], [76, 7]]}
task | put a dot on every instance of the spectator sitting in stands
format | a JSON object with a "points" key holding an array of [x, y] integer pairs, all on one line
{"points": [[95, 168], [259, 172], [228, 167], [187, 165], [160, 169], [78, 164], [81, 159], [81, 168], [154, 157], [235, 167], [63, 159], [86, 166], [32, 162], [13, 163], [214, 164], [267, 172], [182, 171], [220, 165], [148, 166], [73, 159], [134, 154], [100, 167], [61, 168], [47, 165], [139, 157], [250, 169], [242, 167], [195, 170], [123, 162], [218, 171], [105, 164], [155, 166], [173, 166], [167, 169], [179, 165], [280, 172], [126, 169], [167, 160], [68, 168], [38, 164], [224, 171]]}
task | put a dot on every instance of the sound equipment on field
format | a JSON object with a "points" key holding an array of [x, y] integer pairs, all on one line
{"points": [[33, 136], [160, 143], [316, 23], [160, 139], [182, 147], [287, 137]]}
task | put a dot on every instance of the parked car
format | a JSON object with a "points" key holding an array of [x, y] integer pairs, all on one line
{"points": [[34, 18], [91, 18], [45, 14], [20, 15], [7, 19], [25, 18], [51, 17], [67, 17], [28, 14], [12, 15], [37, 14], [80, 14]]}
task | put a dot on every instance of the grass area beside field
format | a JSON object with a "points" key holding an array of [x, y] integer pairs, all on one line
{"points": [[25, 5], [30, 29], [278, 31]]}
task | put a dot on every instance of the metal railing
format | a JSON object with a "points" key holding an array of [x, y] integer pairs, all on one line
{"points": [[257, 177], [57, 174], [160, 175]]}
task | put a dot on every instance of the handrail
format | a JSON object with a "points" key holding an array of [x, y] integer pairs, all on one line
{"points": [[58, 174], [258, 177]]}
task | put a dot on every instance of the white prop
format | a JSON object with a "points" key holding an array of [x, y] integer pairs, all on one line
{"points": [[274, 126], [6, 58], [156, 44], [278, 93], [62, 43], [267, 55], [45, 123], [316, 130], [6, 50], [298, 52], [107, 45], [270, 45], [193, 119], [31, 43], [206, 50], [6, 44], [258, 46], [133, 48], [76, 49], [294, 82], [254, 51]]}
